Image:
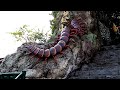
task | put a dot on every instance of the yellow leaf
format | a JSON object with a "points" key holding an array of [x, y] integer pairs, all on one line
{"points": [[115, 28]]}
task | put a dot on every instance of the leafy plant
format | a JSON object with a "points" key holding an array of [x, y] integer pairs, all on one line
{"points": [[27, 34], [53, 22]]}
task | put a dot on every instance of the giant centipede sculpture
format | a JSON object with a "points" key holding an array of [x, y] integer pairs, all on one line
{"points": [[74, 27]]}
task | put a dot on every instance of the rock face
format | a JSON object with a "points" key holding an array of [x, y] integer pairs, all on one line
{"points": [[105, 65], [105, 33], [71, 59]]}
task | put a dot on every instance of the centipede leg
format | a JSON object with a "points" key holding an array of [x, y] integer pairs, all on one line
{"points": [[61, 52], [49, 46], [38, 59], [57, 39], [45, 61], [71, 35], [74, 30], [70, 40], [55, 59], [67, 46], [55, 43], [32, 57], [81, 33]]}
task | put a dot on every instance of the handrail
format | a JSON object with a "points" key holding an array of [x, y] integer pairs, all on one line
{"points": [[13, 75], [22, 74]]}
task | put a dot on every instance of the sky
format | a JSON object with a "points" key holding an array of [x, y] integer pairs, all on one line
{"points": [[10, 21]]}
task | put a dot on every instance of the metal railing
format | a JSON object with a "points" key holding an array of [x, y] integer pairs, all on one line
{"points": [[13, 75]]}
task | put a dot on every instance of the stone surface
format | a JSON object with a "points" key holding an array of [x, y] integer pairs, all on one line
{"points": [[105, 65]]}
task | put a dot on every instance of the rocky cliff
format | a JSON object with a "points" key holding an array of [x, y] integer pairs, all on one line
{"points": [[72, 57]]}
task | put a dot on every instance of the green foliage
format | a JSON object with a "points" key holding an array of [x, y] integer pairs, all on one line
{"points": [[26, 34], [53, 22], [52, 37]]}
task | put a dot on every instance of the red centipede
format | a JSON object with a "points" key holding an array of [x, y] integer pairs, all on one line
{"points": [[79, 25], [61, 43]]}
